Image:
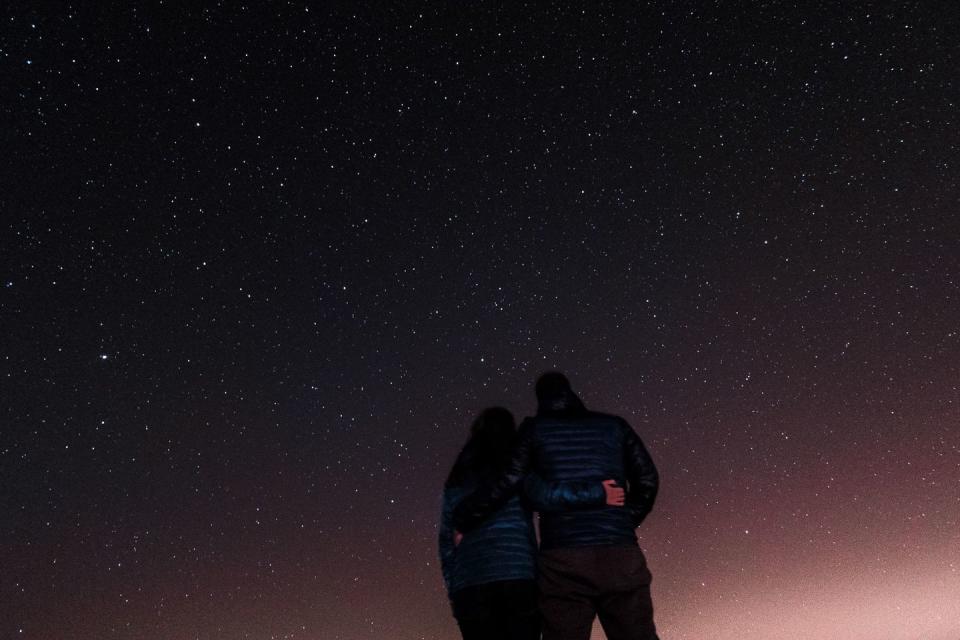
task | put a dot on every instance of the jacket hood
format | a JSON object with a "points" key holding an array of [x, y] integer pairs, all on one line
{"points": [[560, 401]]}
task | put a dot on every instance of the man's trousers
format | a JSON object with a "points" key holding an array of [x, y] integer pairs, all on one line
{"points": [[580, 583]]}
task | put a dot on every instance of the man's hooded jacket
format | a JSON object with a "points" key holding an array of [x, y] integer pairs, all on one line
{"points": [[564, 443]]}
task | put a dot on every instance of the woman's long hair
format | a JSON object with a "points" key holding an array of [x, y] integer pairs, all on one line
{"points": [[487, 452]]}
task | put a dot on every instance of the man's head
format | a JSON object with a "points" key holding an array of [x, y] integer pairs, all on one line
{"points": [[550, 385], [555, 396]]}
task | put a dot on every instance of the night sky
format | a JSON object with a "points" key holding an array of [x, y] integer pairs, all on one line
{"points": [[262, 266]]}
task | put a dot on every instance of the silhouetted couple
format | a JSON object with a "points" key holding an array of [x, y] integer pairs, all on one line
{"points": [[592, 482]]}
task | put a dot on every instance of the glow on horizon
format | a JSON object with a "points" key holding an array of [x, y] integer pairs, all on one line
{"points": [[913, 601]]}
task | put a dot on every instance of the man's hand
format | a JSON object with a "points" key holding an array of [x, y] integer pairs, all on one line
{"points": [[457, 537], [616, 496]]}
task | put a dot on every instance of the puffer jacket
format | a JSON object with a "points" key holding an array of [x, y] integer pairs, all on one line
{"points": [[503, 546], [566, 443]]}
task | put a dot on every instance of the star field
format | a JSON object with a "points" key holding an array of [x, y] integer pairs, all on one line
{"points": [[263, 264]]}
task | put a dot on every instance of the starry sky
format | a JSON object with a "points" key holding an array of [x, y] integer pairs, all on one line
{"points": [[262, 264]]}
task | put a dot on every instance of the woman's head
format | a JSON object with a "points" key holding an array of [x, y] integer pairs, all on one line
{"points": [[489, 448], [493, 424]]}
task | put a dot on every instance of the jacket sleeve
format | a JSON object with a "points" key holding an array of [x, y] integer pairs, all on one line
{"points": [[547, 496], [643, 481], [445, 541], [490, 496]]}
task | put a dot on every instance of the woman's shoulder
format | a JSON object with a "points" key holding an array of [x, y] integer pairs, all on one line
{"points": [[457, 492]]}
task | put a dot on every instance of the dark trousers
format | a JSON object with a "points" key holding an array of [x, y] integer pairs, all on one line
{"points": [[504, 610], [613, 583]]}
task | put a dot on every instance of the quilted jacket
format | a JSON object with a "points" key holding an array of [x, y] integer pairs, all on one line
{"points": [[565, 442], [503, 546]]}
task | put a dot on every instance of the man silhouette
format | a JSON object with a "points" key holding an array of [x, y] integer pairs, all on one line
{"points": [[590, 564]]}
